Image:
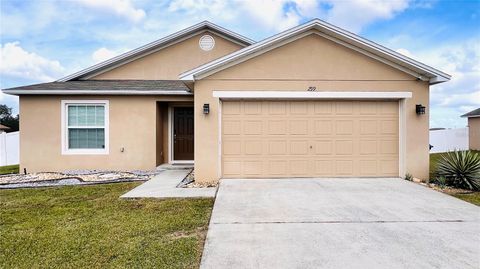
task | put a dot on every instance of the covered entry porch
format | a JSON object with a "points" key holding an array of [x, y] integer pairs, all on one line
{"points": [[175, 133]]}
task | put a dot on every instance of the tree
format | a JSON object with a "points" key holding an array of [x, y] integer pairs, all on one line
{"points": [[7, 119]]}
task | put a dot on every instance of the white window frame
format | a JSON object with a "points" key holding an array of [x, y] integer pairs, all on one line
{"points": [[64, 124]]}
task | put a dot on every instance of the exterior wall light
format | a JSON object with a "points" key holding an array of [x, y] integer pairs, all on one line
{"points": [[420, 109], [206, 108]]}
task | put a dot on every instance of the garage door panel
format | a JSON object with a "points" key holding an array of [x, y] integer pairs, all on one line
{"points": [[277, 147], [389, 108], [323, 147], [232, 168], [388, 166], [368, 147], [368, 167], [231, 108], [252, 127], [252, 108], [309, 139], [344, 108], [323, 127], [344, 167], [344, 127], [253, 167], [368, 108], [232, 147], [253, 147], [298, 108], [389, 147], [277, 108], [299, 147], [323, 108], [368, 127], [344, 147], [232, 127], [324, 168], [277, 168], [277, 127], [389, 127], [299, 168], [298, 127]]}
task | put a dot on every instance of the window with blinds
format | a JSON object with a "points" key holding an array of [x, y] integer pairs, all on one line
{"points": [[85, 127]]}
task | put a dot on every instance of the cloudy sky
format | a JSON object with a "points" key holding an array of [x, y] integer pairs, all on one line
{"points": [[45, 40]]}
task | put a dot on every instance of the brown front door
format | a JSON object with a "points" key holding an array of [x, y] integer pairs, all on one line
{"points": [[182, 133]]}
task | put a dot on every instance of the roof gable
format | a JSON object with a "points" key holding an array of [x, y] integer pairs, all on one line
{"points": [[158, 45], [311, 57], [472, 114], [169, 62], [328, 31]]}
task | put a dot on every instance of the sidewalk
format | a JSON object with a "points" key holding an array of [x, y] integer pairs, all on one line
{"points": [[165, 184]]}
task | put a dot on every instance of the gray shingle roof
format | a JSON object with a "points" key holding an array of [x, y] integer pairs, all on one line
{"points": [[105, 86], [473, 113]]}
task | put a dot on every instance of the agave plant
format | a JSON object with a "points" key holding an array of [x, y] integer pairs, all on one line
{"points": [[461, 169]]}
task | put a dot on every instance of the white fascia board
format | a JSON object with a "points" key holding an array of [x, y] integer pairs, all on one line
{"points": [[310, 95], [170, 38], [321, 26], [93, 92], [379, 48]]}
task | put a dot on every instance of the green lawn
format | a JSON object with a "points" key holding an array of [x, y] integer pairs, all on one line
{"points": [[9, 169], [473, 197], [90, 227]]}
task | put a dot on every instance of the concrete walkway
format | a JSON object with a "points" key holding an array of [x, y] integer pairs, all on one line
{"points": [[339, 223], [165, 184]]}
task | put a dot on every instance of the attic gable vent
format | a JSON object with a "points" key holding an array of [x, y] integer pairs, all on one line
{"points": [[206, 42]]}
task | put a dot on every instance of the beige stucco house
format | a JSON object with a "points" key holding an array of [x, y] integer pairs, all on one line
{"points": [[312, 101], [473, 118]]}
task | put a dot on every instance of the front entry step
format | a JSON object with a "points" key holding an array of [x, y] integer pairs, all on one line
{"points": [[169, 166]]}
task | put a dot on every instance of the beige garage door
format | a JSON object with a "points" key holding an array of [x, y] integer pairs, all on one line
{"points": [[262, 139]]}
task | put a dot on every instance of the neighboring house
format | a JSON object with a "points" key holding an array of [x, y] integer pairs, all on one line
{"points": [[311, 101], [473, 129], [3, 128]]}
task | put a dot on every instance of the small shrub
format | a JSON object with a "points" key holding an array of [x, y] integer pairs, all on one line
{"points": [[408, 177], [461, 169], [441, 181]]}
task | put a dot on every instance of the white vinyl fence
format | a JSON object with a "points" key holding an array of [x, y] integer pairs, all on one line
{"points": [[449, 140], [9, 148]]}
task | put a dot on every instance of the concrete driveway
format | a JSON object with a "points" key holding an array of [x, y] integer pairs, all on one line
{"points": [[339, 223]]}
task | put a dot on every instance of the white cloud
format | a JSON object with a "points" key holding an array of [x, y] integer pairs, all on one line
{"points": [[17, 62], [103, 54], [405, 52], [270, 14], [356, 14], [462, 93], [122, 8], [279, 15]]}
